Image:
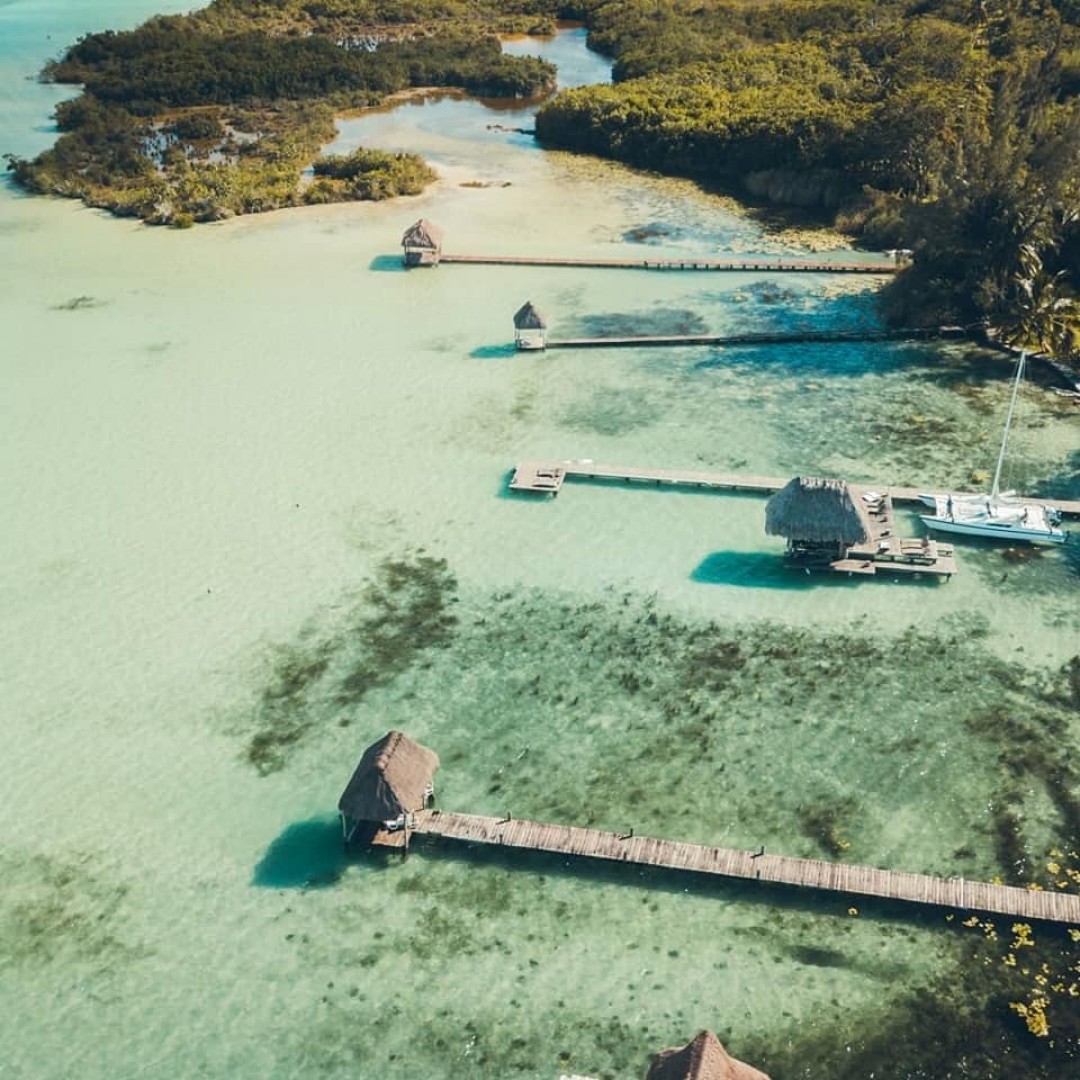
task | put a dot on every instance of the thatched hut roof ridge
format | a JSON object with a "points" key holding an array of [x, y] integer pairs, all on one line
{"points": [[702, 1058], [392, 779], [529, 317], [822, 511], [423, 234]]}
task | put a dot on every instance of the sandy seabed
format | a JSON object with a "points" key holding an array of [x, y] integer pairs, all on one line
{"points": [[255, 482]]}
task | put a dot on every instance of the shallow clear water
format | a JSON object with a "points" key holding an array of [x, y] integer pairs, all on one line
{"points": [[209, 455]]}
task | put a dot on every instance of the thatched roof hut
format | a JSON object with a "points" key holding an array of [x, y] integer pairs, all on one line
{"points": [[703, 1058], [529, 317], [422, 243], [815, 511], [530, 327], [395, 777]]}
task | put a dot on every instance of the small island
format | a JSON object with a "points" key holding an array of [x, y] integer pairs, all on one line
{"points": [[199, 117]]}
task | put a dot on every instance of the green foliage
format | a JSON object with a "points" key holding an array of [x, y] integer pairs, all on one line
{"points": [[142, 168], [996, 244], [368, 174], [713, 124], [956, 127], [193, 118], [198, 126], [171, 63], [918, 137]]}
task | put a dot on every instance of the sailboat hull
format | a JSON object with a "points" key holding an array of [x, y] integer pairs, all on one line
{"points": [[994, 530]]}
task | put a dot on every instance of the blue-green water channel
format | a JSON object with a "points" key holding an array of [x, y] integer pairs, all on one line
{"points": [[212, 458]]}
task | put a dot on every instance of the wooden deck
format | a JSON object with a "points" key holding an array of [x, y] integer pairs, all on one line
{"points": [[899, 555], [852, 881], [768, 265], [547, 478], [884, 552]]}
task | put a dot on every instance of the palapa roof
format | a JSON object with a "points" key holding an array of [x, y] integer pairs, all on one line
{"points": [[808, 508], [391, 779], [529, 317], [703, 1058], [424, 234]]}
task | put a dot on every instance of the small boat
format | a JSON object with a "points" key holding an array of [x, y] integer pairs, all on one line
{"points": [[997, 516]]}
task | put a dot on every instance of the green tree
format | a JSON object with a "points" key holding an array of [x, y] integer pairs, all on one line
{"points": [[1041, 316]]}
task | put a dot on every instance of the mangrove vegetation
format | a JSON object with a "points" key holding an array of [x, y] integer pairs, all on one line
{"points": [[198, 117]]}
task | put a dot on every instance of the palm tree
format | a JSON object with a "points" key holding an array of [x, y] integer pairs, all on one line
{"points": [[1041, 316]]}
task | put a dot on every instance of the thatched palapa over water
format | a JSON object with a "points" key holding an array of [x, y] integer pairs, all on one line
{"points": [[703, 1058], [422, 243], [815, 511], [395, 777], [529, 317], [530, 327]]}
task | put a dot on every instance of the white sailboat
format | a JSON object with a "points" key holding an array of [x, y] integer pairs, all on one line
{"points": [[998, 516]]}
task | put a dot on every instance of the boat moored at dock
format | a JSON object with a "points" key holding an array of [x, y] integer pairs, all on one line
{"points": [[1002, 519], [997, 516]]}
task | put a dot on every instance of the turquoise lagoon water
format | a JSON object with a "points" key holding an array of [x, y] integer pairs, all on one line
{"points": [[231, 452]]}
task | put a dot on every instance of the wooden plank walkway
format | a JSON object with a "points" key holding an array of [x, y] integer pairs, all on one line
{"points": [[546, 477], [780, 266], [808, 337], [850, 880]]}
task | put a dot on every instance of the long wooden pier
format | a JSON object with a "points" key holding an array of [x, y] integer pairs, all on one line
{"points": [[761, 264], [806, 337], [547, 478], [854, 881]]}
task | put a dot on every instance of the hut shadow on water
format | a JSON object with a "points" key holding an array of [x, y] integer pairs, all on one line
{"points": [[756, 570], [306, 855], [387, 264], [763, 570], [506, 351], [312, 855]]}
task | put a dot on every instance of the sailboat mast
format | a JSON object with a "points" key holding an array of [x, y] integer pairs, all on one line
{"points": [[1008, 423]]}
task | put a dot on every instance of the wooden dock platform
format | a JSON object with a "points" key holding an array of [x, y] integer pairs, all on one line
{"points": [[899, 555], [852, 881], [547, 478], [885, 552], [761, 264]]}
